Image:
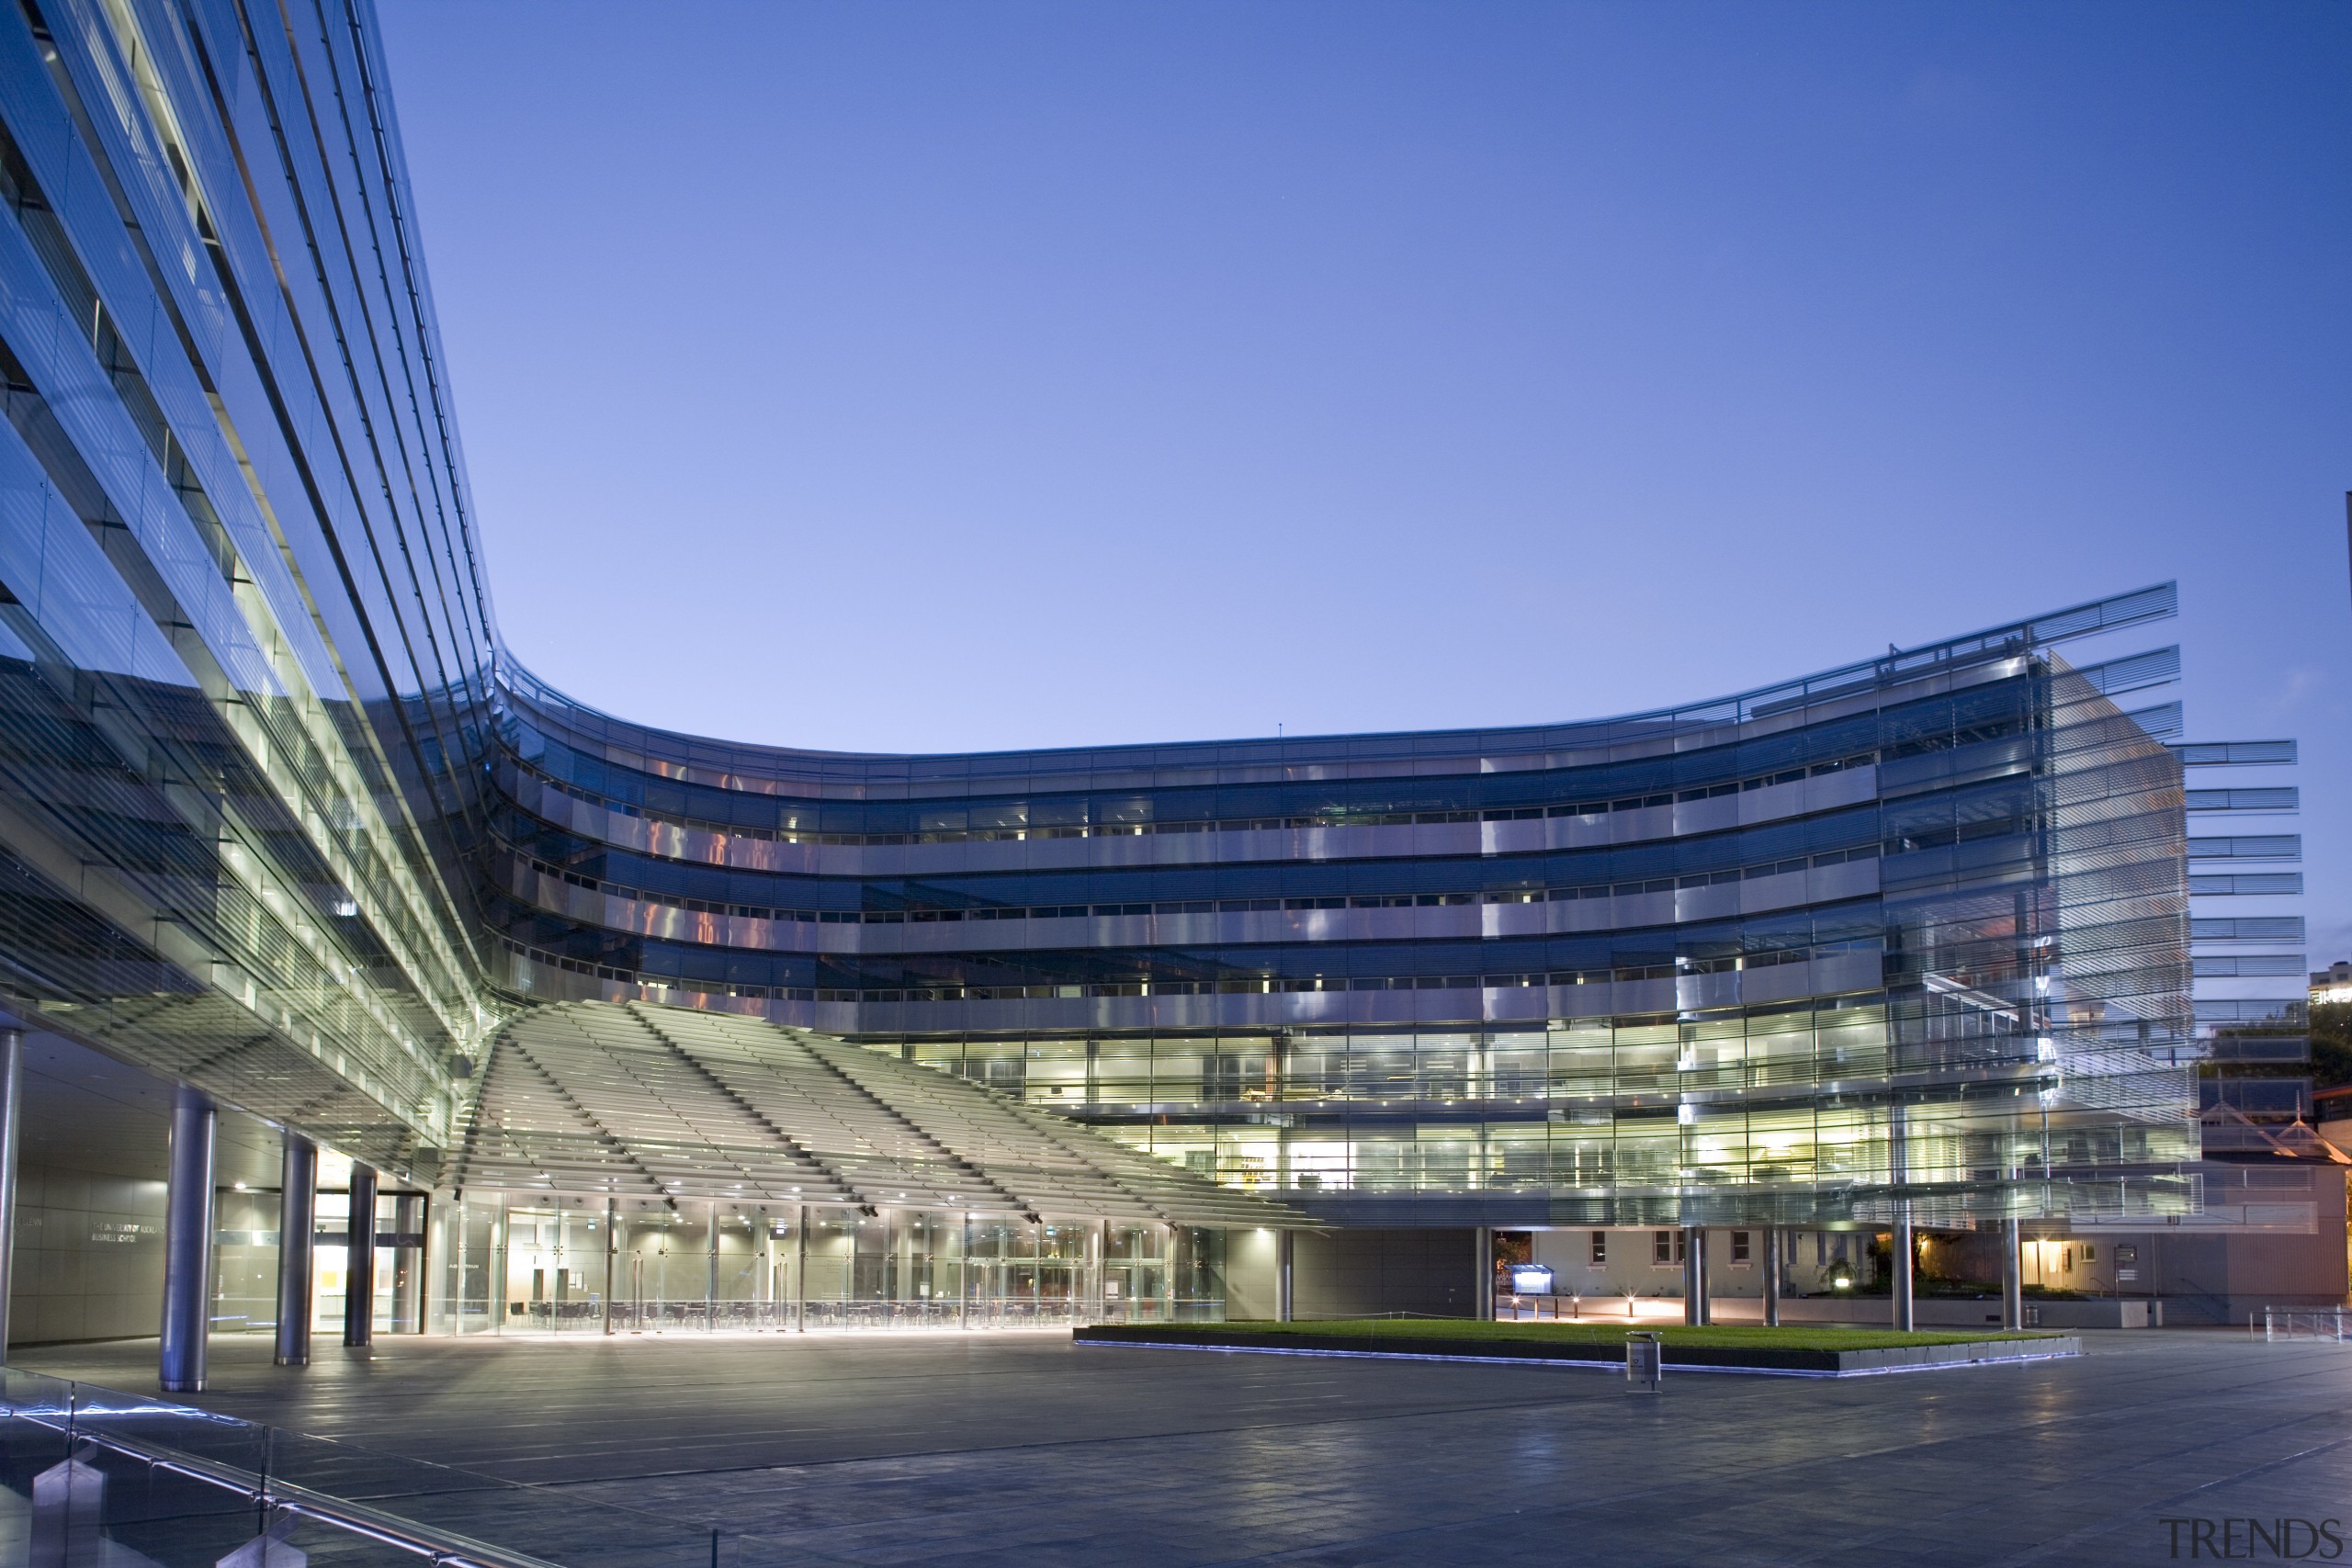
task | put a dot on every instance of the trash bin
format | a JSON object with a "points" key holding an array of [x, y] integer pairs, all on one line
{"points": [[1644, 1362]]}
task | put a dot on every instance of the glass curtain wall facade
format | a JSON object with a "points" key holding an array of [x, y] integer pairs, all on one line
{"points": [[517, 1263], [244, 642], [244, 1263], [280, 818], [1915, 927]]}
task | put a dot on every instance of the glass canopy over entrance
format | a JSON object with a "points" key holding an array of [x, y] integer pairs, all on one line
{"points": [[643, 1168]]}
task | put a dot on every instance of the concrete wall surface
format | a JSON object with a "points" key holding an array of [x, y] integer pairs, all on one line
{"points": [[1249, 1274]]}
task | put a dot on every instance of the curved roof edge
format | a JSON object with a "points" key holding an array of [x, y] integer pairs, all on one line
{"points": [[1895, 667]]}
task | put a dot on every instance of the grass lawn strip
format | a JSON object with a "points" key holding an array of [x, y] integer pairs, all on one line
{"points": [[1735, 1338], [1789, 1352]]}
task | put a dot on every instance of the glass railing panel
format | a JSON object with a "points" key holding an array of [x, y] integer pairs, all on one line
{"points": [[182, 1487]]}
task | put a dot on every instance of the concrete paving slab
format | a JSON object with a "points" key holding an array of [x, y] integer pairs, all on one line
{"points": [[988, 1449]]}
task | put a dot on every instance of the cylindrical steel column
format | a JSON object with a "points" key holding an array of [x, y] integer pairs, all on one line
{"points": [[298, 1211], [1695, 1305], [1281, 1276], [2012, 1275], [187, 1243], [1903, 1267], [1482, 1300], [359, 1269], [410, 1263], [612, 1255], [1772, 1277], [800, 1274], [1690, 1283], [458, 1221], [494, 1288], [12, 1094], [710, 1278]]}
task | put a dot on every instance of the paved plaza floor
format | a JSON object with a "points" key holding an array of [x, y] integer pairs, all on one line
{"points": [[1022, 1449]]}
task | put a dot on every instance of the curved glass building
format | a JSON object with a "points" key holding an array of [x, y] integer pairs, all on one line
{"points": [[1915, 925], [283, 823]]}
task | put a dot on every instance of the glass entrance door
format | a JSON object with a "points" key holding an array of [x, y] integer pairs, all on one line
{"points": [[555, 1267], [398, 1240]]}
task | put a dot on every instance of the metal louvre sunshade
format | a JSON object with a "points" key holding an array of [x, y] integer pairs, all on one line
{"points": [[638, 1100]]}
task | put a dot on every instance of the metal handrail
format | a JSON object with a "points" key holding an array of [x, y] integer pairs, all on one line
{"points": [[444, 1549], [2287, 1323]]}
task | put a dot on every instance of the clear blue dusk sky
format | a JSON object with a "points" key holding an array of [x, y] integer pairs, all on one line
{"points": [[922, 377]]}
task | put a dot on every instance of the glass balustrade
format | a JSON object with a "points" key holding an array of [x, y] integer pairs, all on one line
{"points": [[90, 1475]]}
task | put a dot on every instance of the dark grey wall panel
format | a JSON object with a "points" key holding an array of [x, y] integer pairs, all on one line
{"points": [[1357, 1273]]}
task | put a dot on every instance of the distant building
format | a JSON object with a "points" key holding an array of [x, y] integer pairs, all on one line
{"points": [[2333, 983]]}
